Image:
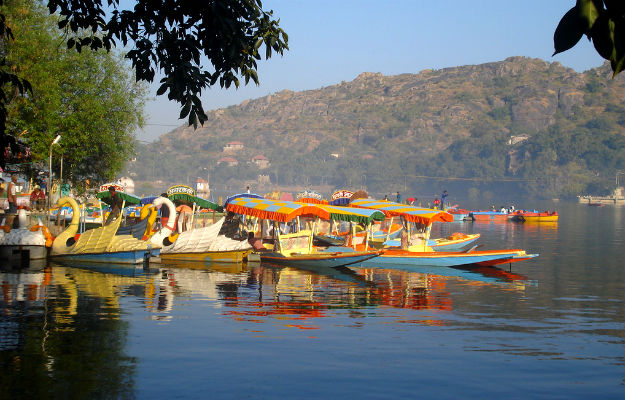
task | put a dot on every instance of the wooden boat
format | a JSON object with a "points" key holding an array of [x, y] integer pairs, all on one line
{"points": [[460, 214], [454, 242], [407, 258], [99, 244], [199, 244], [489, 216], [297, 249], [416, 251], [533, 216]]}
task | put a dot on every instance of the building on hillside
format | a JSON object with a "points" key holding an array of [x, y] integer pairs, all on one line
{"points": [[202, 188], [517, 139], [261, 161], [229, 161], [264, 179], [128, 184], [233, 146]]}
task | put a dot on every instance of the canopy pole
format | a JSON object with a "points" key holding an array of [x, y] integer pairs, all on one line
{"points": [[121, 212], [193, 216], [311, 237], [101, 211], [276, 235], [388, 230]]}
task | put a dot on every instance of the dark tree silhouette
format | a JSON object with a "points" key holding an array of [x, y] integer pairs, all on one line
{"points": [[194, 44], [603, 22]]}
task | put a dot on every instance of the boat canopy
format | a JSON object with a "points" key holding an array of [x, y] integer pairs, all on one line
{"points": [[200, 202], [413, 214], [148, 200], [236, 196], [351, 214], [276, 210], [105, 196], [284, 211]]}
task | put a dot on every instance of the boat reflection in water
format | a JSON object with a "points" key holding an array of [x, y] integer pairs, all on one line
{"points": [[255, 292]]}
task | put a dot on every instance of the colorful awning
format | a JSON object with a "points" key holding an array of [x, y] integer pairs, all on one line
{"points": [[275, 210], [352, 214], [200, 202], [410, 213], [105, 196], [236, 196]]}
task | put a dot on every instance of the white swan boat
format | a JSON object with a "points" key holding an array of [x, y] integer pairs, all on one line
{"points": [[199, 244]]}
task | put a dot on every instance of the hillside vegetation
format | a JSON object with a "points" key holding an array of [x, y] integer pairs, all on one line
{"points": [[523, 126]]}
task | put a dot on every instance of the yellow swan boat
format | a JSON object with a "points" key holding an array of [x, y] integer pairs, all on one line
{"points": [[99, 244]]}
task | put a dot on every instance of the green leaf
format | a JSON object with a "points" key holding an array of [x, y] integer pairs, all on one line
{"points": [[602, 34], [587, 13], [618, 55], [185, 110], [569, 31], [162, 89]]}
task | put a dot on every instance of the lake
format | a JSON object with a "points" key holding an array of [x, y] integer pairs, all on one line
{"points": [[551, 327]]}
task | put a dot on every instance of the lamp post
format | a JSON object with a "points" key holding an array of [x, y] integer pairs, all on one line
{"points": [[55, 141]]}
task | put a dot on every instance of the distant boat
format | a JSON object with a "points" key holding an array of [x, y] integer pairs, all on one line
{"points": [[532, 216], [482, 216]]}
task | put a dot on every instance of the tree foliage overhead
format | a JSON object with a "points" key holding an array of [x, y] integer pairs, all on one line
{"points": [[173, 36], [603, 22], [91, 99], [193, 44]]}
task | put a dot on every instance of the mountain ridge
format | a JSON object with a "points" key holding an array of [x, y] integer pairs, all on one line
{"points": [[411, 120]]}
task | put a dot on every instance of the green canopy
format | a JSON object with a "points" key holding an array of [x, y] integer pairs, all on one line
{"points": [[105, 196], [200, 202]]}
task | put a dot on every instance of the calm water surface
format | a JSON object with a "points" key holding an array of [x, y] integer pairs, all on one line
{"points": [[552, 327]]}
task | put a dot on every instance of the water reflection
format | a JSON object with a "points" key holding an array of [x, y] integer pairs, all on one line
{"points": [[59, 334], [245, 292]]}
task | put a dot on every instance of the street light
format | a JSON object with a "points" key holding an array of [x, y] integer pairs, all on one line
{"points": [[55, 141], [617, 174]]}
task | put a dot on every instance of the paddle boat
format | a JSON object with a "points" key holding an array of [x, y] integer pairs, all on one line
{"points": [[24, 243], [415, 250], [460, 214], [196, 244], [99, 244], [534, 216], [276, 219]]}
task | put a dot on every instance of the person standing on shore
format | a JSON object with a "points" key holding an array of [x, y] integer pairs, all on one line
{"points": [[12, 195], [444, 200], [398, 198], [12, 199]]}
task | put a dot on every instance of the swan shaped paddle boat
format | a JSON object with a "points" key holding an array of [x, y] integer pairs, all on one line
{"points": [[99, 244], [23, 241], [199, 244]]}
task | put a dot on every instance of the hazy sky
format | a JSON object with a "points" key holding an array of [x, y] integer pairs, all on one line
{"points": [[335, 40]]}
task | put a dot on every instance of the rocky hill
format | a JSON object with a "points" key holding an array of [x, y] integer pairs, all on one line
{"points": [[470, 126]]}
